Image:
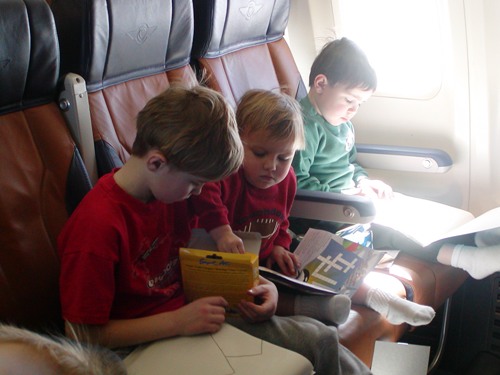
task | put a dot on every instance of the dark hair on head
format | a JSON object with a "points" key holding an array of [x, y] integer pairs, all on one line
{"points": [[195, 129], [342, 61]]}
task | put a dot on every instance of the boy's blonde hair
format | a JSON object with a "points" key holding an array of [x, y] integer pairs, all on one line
{"points": [[194, 128], [279, 115], [70, 357]]}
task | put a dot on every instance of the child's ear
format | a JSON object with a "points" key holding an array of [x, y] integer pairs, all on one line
{"points": [[320, 82], [155, 161]]}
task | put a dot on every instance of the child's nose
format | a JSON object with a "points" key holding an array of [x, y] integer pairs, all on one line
{"points": [[270, 164], [353, 108]]}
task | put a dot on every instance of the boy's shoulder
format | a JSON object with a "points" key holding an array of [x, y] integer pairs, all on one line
{"points": [[237, 179], [312, 119], [105, 187], [105, 200]]}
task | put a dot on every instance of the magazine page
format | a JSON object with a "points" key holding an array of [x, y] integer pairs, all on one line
{"points": [[488, 220], [295, 285], [330, 264], [425, 221], [341, 266], [421, 220]]}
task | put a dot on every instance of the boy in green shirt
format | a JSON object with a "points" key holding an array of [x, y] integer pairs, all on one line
{"points": [[341, 79]]}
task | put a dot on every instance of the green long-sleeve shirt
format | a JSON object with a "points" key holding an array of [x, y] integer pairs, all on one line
{"points": [[328, 162]]}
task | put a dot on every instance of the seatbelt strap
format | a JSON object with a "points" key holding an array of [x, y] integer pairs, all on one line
{"points": [[74, 104]]}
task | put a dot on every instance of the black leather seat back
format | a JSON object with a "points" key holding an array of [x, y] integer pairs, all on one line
{"points": [[127, 51], [240, 46], [42, 176]]}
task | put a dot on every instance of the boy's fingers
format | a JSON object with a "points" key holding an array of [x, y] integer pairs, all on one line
{"points": [[217, 301], [269, 263], [241, 248]]}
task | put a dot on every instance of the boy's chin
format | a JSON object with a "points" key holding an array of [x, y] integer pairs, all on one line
{"points": [[337, 122], [175, 200], [264, 184]]}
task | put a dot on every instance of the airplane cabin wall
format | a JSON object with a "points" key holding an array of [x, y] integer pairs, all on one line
{"points": [[484, 58], [462, 116]]}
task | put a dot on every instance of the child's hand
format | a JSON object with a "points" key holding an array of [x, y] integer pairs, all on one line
{"points": [[202, 315], [287, 261], [375, 188], [266, 295], [226, 240]]}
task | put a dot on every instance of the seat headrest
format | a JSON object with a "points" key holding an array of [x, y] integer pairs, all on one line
{"points": [[113, 41], [226, 26], [29, 54]]}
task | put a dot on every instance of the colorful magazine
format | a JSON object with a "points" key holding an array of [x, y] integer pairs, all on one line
{"points": [[330, 265]]}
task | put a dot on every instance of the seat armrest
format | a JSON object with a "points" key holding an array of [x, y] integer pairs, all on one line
{"points": [[399, 158], [335, 207]]}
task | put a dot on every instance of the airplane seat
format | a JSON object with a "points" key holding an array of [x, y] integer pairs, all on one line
{"points": [[240, 46], [126, 52], [42, 174]]}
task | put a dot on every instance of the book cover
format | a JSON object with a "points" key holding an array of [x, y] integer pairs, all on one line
{"points": [[212, 273]]}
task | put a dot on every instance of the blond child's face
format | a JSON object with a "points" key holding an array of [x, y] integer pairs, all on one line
{"points": [[338, 103], [267, 161]]}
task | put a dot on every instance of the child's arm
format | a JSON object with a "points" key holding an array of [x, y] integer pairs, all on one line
{"points": [[226, 240], [287, 261], [305, 179], [303, 161], [374, 188], [366, 186], [200, 316], [212, 215]]}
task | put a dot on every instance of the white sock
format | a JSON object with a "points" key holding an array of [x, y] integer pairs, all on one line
{"points": [[325, 308], [398, 310], [479, 262]]}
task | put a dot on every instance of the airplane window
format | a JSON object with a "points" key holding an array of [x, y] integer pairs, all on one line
{"points": [[404, 40]]}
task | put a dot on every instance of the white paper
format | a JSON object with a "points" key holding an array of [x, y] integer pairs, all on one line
{"points": [[229, 351], [425, 221], [313, 244]]}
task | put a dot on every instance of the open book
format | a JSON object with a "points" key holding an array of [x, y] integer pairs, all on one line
{"points": [[330, 265], [424, 221], [229, 351]]}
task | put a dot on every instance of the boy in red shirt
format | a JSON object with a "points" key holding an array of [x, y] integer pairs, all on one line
{"points": [[120, 275]]}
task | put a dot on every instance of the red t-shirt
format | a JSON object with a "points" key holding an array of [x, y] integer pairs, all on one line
{"points": [[235, 202], [119, 256]]}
